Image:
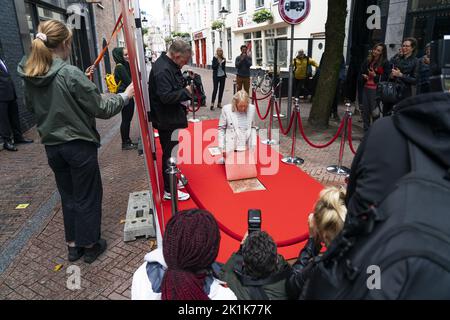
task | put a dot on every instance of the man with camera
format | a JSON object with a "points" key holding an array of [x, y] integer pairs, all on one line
{"points": [[243, 64], [257, 271], [169, 99]]}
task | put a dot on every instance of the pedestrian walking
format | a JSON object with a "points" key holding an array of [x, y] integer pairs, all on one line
{"points": [[122, 76], [219, 77], [65, 104]]}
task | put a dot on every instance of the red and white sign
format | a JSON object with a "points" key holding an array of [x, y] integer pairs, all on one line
{"points": [[294, 11]]}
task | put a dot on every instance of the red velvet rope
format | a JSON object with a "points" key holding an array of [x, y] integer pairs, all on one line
{"points": [[263, 98], [285, 132], [300, 124], [350, 140], [257, 107]]}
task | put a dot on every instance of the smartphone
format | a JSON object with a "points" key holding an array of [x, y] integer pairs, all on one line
{"points": [[254, 220]]}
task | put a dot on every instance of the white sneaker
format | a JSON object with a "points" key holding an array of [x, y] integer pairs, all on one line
{"points": [[182, 196], [180, 184]]}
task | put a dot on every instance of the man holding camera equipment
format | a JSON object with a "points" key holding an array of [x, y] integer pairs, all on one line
{"points": [[169, 99], [257, 271], [397, 221]]}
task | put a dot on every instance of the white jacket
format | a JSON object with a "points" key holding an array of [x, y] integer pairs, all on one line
{"points": [[227, 129], [148, 277]]}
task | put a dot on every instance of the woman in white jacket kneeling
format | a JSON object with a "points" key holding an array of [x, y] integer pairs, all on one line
{"points": [[183, 268]]}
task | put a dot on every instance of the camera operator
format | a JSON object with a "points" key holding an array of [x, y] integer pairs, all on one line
{"points": [[257, 271], [169, 97]]}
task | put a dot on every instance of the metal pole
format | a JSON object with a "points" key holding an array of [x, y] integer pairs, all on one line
{"points": [[193, 119], [339, 169], [173, 172], [292, 159], [291, 77], [269, 140], [280, 84]]}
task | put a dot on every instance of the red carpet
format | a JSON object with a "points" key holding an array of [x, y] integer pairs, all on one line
{"points": [[285, 205]]}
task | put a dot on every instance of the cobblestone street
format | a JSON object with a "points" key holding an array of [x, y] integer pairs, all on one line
{"points": [[32, 239]]}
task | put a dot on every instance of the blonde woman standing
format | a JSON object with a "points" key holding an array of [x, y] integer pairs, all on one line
{"points": [[65, 103], [219, 76]]}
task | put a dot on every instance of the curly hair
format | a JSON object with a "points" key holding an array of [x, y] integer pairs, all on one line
{"points": [[259, 252]]}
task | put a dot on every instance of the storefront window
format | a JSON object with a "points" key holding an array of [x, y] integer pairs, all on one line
{"points": [[270, 47], [429, 4]]}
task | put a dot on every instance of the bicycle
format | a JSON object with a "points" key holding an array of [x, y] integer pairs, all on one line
{"points": [[262, 80]]}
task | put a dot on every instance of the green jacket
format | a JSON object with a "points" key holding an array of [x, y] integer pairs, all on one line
{"points": [[122, 70], [275, 290], [65, 103]]}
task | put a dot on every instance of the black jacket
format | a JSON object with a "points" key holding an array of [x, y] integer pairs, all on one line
{"points": [[7, 90], [382, 158], [167, 90], [380, 76], [216, 66], [122, 72], [409, 68], [303, 268]]}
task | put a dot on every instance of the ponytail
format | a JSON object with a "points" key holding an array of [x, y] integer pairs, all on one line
{"points": [[51, 34]]}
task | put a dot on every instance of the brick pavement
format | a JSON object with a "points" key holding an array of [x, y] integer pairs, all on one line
{"points": [[26, 178]]}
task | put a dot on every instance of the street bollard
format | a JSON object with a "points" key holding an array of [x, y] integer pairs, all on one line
{"points": [[292, 159], [339, 169], [173, 172]]}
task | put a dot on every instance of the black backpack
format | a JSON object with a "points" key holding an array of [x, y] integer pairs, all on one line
{"points": [[399, 249]]}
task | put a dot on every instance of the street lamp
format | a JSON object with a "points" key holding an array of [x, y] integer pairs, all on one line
{"points": [[223, 12]]}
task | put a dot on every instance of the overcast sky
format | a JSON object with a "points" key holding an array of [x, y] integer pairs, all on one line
{"points": [[153, 8]]}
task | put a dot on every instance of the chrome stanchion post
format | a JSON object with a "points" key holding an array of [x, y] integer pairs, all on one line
{"points": [[292, 159], [280, 84], [269, 140], [173, 172], [193, 119], [339, 169]]}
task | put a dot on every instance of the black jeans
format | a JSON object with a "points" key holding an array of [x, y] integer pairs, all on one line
{"points": [[169, 148], [219, 83], [127, 116], [9, 120], [77, 175], [300, 88]]}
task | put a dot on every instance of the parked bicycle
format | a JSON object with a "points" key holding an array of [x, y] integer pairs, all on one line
{"points": [[263, 80]]}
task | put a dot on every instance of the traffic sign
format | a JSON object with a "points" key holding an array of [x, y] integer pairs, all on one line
{"points": [[294, 11]]}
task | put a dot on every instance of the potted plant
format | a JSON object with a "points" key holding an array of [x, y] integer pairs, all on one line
{"points": [[262, 15], [217, 25]]}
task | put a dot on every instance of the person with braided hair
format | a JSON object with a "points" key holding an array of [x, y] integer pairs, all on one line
{"points": [[257, 271], [183, 268]]}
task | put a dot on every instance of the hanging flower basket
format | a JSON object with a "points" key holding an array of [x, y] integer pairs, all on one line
{"points": [[217, 25], [262, 15]]}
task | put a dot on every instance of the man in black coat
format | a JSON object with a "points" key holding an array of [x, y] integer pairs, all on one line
{"points": [[169, 100], [9, 111]]}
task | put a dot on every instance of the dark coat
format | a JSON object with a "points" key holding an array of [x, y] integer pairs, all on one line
{"points": [[122, 72], [409, 68], [7, 90], [216, 66], [167, 90], [382, 71], [274, 287], [383, 158]]}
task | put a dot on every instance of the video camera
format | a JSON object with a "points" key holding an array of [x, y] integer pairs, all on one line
{"points": [[440, 65], [254, 220], [188, 76]]}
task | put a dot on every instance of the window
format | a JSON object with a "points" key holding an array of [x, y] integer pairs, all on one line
{"points": [[230, 48], [270, 47], [259, 4], [242, 5], [228, 5]]}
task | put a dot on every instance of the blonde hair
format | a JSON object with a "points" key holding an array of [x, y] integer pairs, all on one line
{"points": [[217, 54], [41, 56], [241, 95], [329, 214]]}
